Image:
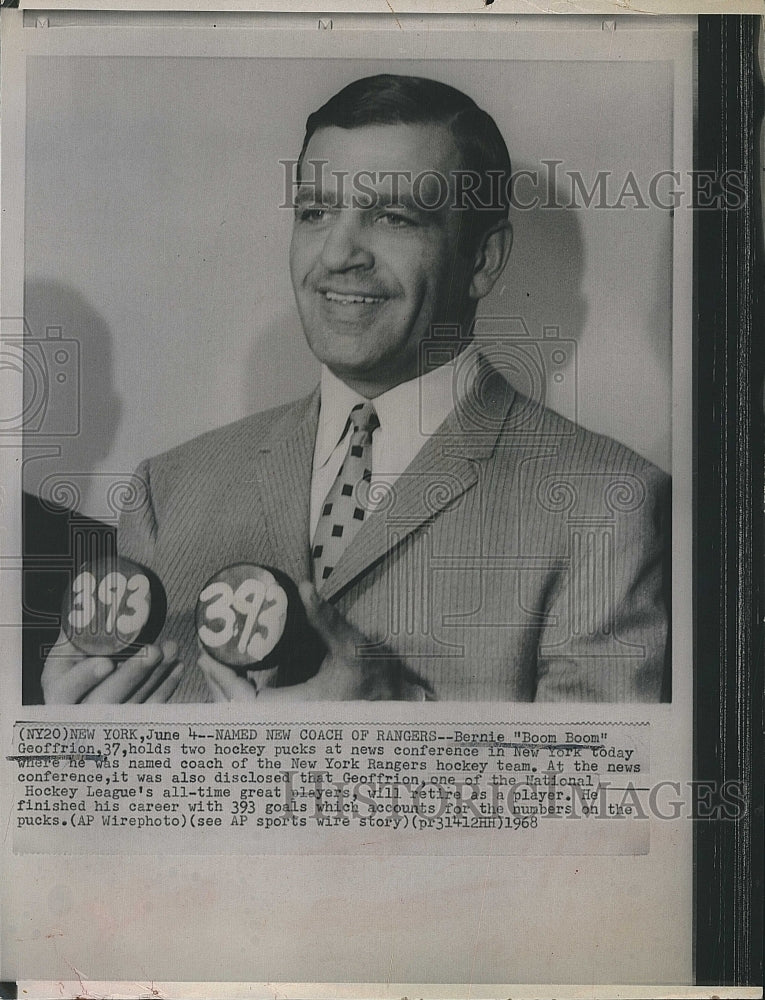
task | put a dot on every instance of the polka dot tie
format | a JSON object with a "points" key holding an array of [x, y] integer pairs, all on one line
{"points": [[343, 510]]}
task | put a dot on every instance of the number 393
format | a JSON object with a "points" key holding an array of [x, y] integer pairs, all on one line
{"points": [[111, 605], [241, 615]]}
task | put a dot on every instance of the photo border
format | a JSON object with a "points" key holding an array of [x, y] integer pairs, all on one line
{"points": [[728, 507], [729, 575]]}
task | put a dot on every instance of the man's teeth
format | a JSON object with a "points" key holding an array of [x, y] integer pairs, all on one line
{"points": [[350, 299]]}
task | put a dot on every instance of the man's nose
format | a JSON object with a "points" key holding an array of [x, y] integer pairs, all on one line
{"points": [[346, 246]]}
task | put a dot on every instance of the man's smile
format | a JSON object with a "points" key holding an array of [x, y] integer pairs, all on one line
{"points": [[351, 298]]}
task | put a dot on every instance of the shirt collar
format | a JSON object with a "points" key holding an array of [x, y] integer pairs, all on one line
{"points": [[414, 408], [337, 400]]}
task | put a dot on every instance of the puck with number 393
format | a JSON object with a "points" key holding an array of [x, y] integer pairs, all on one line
{"points": [[113, 606], [251, 617]]}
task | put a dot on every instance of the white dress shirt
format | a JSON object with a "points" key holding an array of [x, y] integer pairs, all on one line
{"points": [[409, 414]]}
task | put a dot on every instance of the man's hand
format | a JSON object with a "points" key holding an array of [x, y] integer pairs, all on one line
{"points": [[150, 675], [345, 674]]}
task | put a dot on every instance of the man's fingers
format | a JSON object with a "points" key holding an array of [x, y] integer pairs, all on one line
{"points": [[217, 692], [63, 654], [204, 662], [122, 683], [57, 684], [71, 677], [158, 675], [168, 685], [70, 686], [336, 632], [224, 683]]}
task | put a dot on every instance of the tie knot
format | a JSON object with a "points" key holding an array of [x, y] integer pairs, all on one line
{"points": [[364, 417]]}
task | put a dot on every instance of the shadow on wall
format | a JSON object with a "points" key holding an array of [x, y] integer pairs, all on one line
{"points": [[545, 273], [544, 285], [280, 366], [537, 313], [78, 409], [71, 415]]}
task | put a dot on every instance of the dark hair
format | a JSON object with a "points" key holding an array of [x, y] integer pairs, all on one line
{"points": [[388, 99]]}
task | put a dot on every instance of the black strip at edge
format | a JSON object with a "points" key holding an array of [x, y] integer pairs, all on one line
{"points": [[728, 515]]}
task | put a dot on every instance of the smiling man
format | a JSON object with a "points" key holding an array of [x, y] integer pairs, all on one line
{"points": [[374, 277], [452, 539]]}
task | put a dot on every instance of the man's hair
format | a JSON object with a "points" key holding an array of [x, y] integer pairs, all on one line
{"points": [[388, 99]]}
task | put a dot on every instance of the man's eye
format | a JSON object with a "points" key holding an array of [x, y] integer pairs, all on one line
{"points": [[396, 221], [312, 214]]}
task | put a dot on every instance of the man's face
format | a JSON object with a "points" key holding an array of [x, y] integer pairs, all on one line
{"points": [[370, 280]]}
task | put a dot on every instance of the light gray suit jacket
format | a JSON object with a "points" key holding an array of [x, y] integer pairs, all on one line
{"points": [[519, 557]]}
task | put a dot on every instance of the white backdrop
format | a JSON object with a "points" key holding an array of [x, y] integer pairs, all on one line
{"points": [[154, 237]]}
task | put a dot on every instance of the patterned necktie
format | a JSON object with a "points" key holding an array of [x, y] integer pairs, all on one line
{"points": [[342, 513]]}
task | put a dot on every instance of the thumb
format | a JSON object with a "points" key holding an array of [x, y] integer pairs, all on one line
{"points": [[62, 656], [325, 618]]}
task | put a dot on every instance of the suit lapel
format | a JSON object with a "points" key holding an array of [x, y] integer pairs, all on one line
{"points": [[433, 481], [284, 480], [448, 465]]}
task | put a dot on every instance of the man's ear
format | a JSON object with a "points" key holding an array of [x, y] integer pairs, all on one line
{"points": [[490, 258]]}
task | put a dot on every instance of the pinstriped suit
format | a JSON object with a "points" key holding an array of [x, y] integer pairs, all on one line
{"points": [[519, 557]]}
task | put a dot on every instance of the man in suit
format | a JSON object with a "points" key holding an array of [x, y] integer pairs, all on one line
{"points": [[453, 540]]}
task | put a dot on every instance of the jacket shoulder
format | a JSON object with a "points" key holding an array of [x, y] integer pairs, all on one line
{"points": [[570, 447], [212, 456], [255, 427]]}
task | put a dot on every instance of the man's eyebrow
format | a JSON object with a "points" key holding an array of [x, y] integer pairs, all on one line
{"points": [[405, 200], [310, 193]]}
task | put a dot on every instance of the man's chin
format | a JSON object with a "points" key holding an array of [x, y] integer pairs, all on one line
{"points": [[347, 348], [349, 368], [369, 379]]}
